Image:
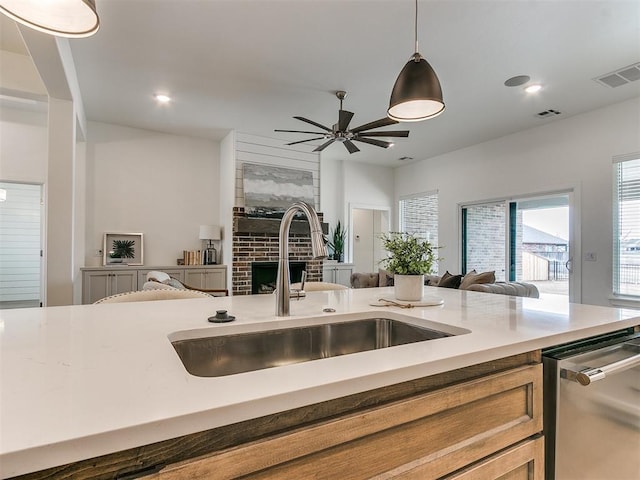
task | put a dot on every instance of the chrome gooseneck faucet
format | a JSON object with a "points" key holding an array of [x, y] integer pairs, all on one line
{"points": [[283, 288]]}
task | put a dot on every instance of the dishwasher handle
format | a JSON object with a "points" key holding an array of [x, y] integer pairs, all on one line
{"points": [[587, 376]]}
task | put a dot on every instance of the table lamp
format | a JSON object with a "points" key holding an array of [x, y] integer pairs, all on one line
{"points": [[210, 233]]}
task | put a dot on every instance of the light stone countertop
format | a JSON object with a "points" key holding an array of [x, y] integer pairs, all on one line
{"points": [[82, 381]]}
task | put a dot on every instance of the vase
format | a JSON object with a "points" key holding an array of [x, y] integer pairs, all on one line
{"points": [[408, 287]]}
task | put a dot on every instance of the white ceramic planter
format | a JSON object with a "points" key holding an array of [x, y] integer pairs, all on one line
{"points": [[408, 287]]}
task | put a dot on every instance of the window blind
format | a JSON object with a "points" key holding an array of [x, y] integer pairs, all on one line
{"points": [[626, 234], [419, 216]]}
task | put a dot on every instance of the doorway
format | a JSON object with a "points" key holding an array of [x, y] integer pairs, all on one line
{"points": [[20, 245], [367, 224], [527, 240]]}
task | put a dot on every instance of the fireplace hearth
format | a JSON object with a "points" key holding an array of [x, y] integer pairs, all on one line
{"points": [[265, 274]]}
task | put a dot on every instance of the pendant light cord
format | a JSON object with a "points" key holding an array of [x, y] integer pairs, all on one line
{"points": [[415, 29]]}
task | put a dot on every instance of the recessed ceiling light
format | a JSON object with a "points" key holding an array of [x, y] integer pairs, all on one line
{"points": [[162, 98], [536, 87]]}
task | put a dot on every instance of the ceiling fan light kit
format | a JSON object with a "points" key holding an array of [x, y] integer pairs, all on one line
{"points": [[63, 18], [341, 133], [417, 94]]}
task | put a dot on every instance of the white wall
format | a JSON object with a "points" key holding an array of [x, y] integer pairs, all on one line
{"points": [[138, 181], [23, 145], [570, 153], [227, 200], [365, 186]]}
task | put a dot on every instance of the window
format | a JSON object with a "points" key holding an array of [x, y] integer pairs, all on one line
{"points": [[419, 216], [626, 226]]}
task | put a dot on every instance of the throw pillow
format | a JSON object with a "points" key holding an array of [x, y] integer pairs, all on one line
{"points": [[473, 278], [385, 278], [431, 280], [450, 281]]}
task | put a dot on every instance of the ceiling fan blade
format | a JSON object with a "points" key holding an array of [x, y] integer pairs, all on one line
{"points": [[308, 140], [350, 146], [383, 122], [344, 118], [373, 141], [390, 133], [313, 123], [324, 145], [299, 131]]}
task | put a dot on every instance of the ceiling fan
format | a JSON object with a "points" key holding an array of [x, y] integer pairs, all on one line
{"points": [[340, 131]]}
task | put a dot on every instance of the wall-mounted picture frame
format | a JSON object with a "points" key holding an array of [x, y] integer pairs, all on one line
{"points": [[122, 249], [269, 190]]}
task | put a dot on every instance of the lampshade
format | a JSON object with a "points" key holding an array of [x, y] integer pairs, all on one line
{"points": [[209, 232], [417, 94], [64, 18]]}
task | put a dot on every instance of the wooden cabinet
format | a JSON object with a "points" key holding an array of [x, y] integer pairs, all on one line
{"points": [[479, 422], [430, 435], [524, 461], [214, 277], [100, 282], [337, 273]]}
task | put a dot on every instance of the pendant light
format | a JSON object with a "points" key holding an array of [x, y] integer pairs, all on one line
{"points": [[63, 18], [417, 94]]}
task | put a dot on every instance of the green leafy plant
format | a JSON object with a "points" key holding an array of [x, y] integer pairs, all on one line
{"points": [[337, 241], [123, 249], [408, 254]]}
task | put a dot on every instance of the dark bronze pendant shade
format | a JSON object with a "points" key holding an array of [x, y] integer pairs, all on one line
{"points": [[417, 94], [63, 18]]}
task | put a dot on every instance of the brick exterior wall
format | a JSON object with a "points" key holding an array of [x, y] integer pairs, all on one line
{"points": [[486, 248], [263, 247]]}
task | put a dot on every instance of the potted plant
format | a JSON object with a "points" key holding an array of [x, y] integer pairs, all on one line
{"points": [[336, 243], [409, 259]]}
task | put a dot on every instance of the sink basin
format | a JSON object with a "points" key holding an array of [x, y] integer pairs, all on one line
{"points": [[215, 356]]}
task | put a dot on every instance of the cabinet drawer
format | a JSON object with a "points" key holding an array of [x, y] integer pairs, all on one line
{"points": [[524, 461], [425, 436]]}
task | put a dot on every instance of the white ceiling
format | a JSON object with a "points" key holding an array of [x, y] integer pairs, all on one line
{"points": [[251, 65]]}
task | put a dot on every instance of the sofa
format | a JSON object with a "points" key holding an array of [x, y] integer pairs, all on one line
{"points": [[472, 281]]}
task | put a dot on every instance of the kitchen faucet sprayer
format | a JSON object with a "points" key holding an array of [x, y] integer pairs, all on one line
{"points": [[283, 287]]}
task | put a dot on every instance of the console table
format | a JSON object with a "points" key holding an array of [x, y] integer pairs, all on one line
{"points": [[100, 282]]}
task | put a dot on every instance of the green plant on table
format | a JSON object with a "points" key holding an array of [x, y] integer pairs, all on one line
{"points": [[408, 254]]}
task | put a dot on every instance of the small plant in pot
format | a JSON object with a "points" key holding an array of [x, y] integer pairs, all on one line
{"points": [[410, 259], [337, 241]]}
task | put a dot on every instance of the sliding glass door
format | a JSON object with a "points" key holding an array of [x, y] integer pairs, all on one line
{"points": [[526, 240]]}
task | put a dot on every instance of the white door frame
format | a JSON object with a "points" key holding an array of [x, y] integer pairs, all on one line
{"points": [[362, 206]]}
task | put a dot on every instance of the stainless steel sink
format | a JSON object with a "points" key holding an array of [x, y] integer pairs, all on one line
{"points": [[215, 356]]}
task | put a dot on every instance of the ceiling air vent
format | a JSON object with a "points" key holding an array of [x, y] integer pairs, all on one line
{"points": [[548, 113], [620, 77]]}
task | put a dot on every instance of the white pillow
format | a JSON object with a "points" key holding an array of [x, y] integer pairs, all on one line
{"points": [[155, 275]]}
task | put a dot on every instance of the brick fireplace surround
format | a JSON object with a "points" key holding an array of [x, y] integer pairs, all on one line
{"points": [[256, 240]]}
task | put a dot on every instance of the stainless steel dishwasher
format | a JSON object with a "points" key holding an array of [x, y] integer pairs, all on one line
{"points": [[592, 408]]}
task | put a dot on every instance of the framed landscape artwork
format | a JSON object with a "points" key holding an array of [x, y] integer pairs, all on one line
{"points": [[122, 249], [269, 191]]}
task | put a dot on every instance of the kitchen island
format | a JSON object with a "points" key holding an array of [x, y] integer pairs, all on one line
{"points": [[86, 381]]}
